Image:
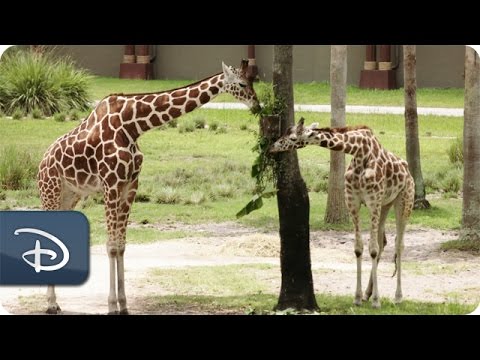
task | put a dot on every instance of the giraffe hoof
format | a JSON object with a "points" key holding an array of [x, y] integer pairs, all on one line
{"points": [[53, 310], [366, 297], [124, 312], [113, 312], [376, 304], [357, 301], [398, 300]]}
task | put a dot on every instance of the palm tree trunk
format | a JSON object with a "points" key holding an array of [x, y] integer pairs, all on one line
{"points": [[336, 211], [471, 148], [293, 204], [411, 125]]}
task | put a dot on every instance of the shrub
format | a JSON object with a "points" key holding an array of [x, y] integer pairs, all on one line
{"points": [[221, 130], [17, 169], [196, 198], [17, 114], [186, 126], [167, 195], [213, 126], [74, 115], [455, 152], [199, 123], [50, 83], [173, 123], [224, 190], [452, 182], [60, 117], [37, 113], [142, 197]]}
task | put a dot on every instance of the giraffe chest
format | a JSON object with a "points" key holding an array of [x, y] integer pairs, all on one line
{"points": [[374, 184]]}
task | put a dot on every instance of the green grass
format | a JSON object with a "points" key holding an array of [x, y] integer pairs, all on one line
{"points": [[463, 245], [305, 93], [246, 289], [210, 172]]}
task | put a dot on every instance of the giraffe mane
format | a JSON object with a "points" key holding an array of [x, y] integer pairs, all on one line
{"points": [[162, 91], [342, 130]]}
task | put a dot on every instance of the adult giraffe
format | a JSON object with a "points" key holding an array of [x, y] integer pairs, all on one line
{"points": [[377, 178], [102, 155]]}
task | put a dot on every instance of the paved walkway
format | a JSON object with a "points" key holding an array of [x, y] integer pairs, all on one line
{"points": [[351, 109], [354, 109]]}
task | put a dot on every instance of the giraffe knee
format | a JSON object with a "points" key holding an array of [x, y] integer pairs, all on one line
{"points": [[112, 250], [358, 249]]}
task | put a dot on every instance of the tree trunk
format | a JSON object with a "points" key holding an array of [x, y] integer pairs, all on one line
{"points": [[471, 148], [411, 125], [293, 204], [336, 211]]}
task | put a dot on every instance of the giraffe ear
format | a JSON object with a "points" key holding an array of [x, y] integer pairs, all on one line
{"points": [[300, 125], [244, 65], [314, 126], [227, 71]]}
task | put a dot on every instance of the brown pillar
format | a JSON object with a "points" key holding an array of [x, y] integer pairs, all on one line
{"points": [[136, 67], [143, 54], [252, 70], [129, 54], [384, 60], [370, 58]]}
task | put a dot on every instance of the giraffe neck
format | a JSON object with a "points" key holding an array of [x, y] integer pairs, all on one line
{"points": [[356, 142], [144, 112]]}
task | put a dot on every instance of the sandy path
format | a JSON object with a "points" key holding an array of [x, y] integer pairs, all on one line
{"points": [[429, 273]]}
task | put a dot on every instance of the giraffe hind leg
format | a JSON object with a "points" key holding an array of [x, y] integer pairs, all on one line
{"points": [[54, 196]]}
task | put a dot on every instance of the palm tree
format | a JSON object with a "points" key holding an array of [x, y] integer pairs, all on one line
{"points": [[292, 198], [336, 211], [471, 149], [411, 124]]}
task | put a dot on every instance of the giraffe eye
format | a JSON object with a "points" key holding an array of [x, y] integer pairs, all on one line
{"points": [[242, 85]]}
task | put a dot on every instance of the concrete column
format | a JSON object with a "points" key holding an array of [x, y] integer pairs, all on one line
{"points": [[384, 60], [252, 70], [129, 54], [370, 58]]}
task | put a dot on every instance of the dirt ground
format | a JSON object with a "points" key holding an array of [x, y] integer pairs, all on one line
{"points": [[429, 274]]}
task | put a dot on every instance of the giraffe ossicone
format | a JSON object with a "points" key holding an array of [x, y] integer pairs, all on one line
{"points": [[376, 178], [101, 155]]}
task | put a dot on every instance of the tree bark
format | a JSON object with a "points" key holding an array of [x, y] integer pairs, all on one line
{"points": [[411, 125], [293, 204], [471, 148], [336, 211]]}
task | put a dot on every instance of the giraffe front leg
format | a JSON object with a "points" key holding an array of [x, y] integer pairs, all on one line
{"points": [[52, 306], [374, 248], [111, 204], [127, 196], [353, 206], [382, 241]]}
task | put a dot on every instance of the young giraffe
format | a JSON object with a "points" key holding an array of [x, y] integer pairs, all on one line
{"points": [[376, 178], [102, 155]]}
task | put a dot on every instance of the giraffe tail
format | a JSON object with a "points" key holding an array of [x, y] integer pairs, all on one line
{"points": [[395, 260]]}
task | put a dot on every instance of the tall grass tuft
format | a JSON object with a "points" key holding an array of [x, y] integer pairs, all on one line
{"points": [[455, 152], [43, 81], [17, 169]]}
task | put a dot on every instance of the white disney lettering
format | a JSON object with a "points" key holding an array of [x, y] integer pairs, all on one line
{"points": [[38, 251]]}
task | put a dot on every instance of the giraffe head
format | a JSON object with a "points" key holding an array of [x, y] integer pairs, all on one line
{"points": [[296, 137], [237, 84]]}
